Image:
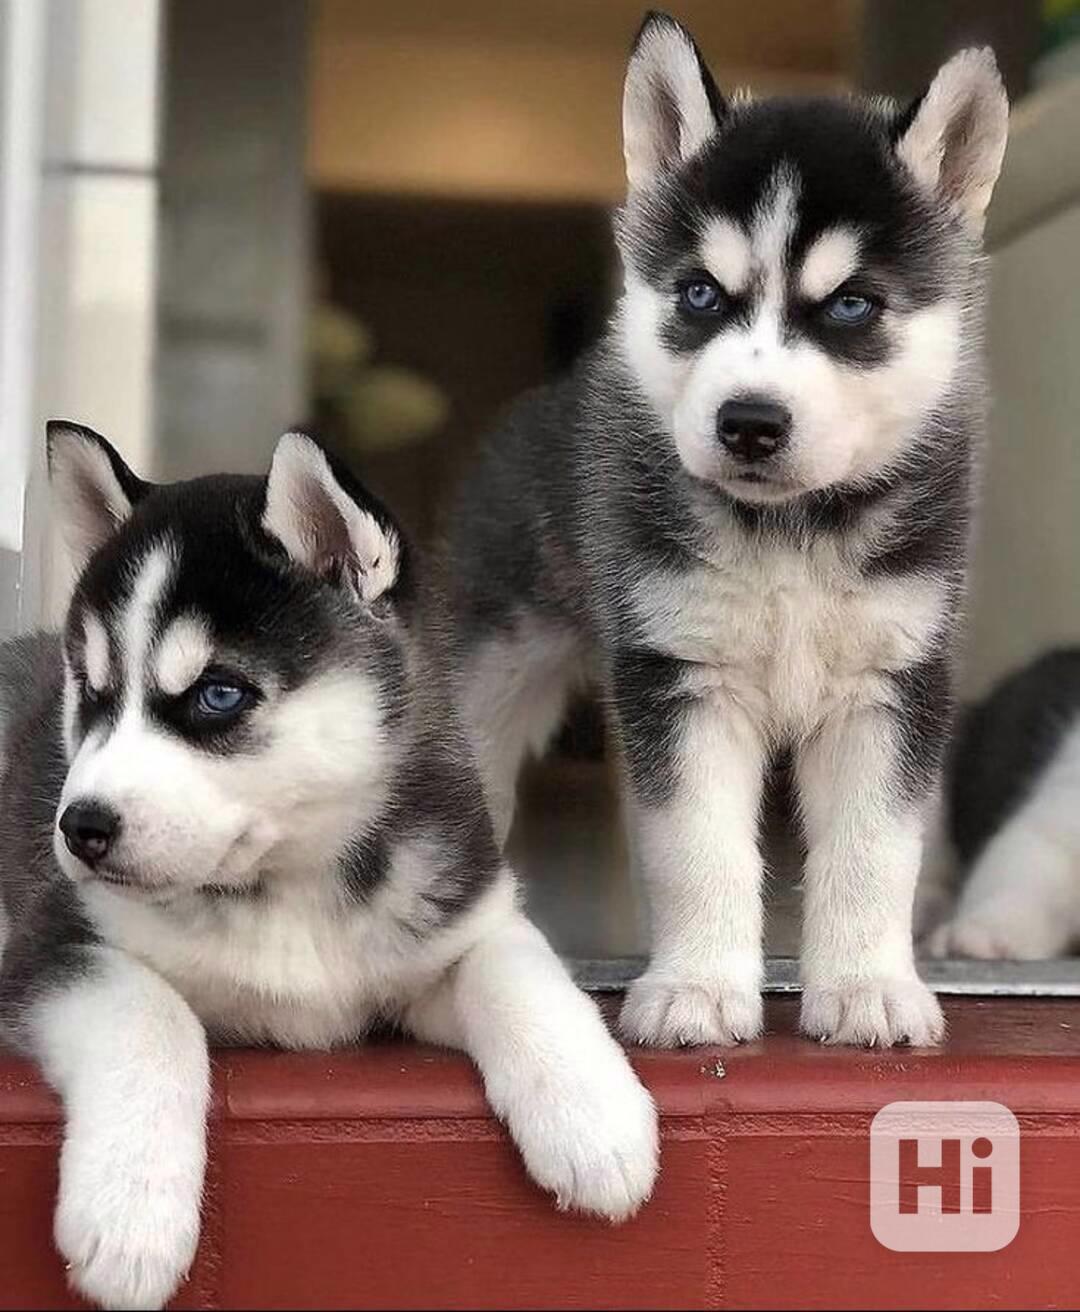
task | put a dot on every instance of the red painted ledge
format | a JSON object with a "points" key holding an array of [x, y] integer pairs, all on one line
{"points": [[377, 1178]]}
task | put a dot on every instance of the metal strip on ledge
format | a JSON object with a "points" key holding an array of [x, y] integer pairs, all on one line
{"points": [[1059, 978]]}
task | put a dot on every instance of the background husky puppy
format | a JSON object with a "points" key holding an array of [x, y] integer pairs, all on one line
{"points": [[1012, 818], [746, 514], [235, 797]]}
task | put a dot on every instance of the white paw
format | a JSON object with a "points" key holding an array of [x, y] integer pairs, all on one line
{"points": [[1010, 934], [666, 1012], [127, 1223], [873, 1013], [591, 1139]]}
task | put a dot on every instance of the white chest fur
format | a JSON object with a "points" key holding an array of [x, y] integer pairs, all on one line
{"points": [[299, 965], [791, 635]]}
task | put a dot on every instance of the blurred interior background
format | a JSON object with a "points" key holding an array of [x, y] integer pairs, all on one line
{"points": [[384, 218]]}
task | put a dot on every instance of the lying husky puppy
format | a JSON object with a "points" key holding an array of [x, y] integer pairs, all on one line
{"points": [[235, 801], [745, 514], [1012, 819]]}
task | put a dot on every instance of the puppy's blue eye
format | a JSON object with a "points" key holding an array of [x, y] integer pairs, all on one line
{"points": [[701, 296], [220, 698], [849, 309]]}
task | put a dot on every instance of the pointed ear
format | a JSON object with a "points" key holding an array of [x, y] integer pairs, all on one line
{"points": [[327, 522], [953, 138], [92, 489], [671, 106]]}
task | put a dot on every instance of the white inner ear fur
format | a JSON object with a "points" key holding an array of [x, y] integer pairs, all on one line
{"points": [[666, 112], [89, 501], [956, 141], [318, 523], [832, 258], [182, 654]]}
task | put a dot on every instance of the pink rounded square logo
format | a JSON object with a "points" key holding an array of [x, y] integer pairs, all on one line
{"points": [[944, 1177]]}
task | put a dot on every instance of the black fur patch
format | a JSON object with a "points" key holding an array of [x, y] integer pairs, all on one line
{"points": [[647, 705], [685, 334], [932, 484], [862, 346], [436, 799], [924, 719], [834, 510], [440, 790], [365, 864], [50, 948]]}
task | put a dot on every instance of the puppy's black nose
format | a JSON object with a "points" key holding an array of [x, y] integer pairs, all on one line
{"points": [[753, 428], [90, 828]]}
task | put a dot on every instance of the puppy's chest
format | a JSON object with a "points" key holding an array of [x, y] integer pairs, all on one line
{"points": [[791, 635], [294, 971]]}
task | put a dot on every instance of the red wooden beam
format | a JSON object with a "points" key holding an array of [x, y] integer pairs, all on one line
{"points": [[376, 1178]]}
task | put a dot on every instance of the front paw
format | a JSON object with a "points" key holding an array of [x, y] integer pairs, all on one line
{"points": [[873, 1013], [127, 1223], [592, 1140], [663, 1011]]}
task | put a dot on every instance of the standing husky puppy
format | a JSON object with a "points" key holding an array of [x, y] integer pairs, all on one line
{"points": [[746, 513], [235, 798]]}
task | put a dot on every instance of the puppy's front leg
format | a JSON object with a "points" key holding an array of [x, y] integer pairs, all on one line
{"points": [[694, 764], [584, 1124], [865, 834], [129, 1059]]}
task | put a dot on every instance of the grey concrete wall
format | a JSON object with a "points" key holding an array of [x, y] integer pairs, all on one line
{"points": [[232, 303]]}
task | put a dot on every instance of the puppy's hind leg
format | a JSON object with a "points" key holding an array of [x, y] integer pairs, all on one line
{"points": [[129, 1059], [585, 1126], [513, 695]]}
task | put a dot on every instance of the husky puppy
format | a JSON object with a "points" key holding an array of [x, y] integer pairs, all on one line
{"points": [[236, 801], [745, 514], [1012, 818]]}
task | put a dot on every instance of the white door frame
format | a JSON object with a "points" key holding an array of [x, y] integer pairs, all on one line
{"points": [[22, 82]]}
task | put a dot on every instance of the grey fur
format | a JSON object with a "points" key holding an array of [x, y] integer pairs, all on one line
{"points": [[48, 932]]}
